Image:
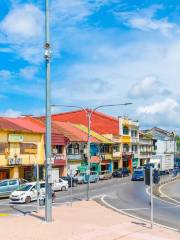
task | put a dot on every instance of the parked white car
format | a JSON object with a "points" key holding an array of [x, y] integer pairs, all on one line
{"points": [[26, 193], [62, 185]]}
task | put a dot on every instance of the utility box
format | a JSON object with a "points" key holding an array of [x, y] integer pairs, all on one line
{"points": [[147, 176]]}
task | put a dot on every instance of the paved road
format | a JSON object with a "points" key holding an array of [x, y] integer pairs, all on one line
{"points": [[133, 199], [172, 190], [78, 194]]}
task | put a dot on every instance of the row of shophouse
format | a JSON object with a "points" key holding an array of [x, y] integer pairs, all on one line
{"points": [[115, 143]]}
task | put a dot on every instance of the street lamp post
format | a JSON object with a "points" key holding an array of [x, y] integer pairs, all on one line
{"points": [[48, 187], [89, 113]]}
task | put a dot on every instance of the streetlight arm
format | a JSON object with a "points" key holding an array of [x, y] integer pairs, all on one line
{"points": [[109, 105], [70, 106]]}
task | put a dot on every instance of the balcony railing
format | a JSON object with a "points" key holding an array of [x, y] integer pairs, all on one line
{"points": [[75, 157], [59, 157], [135, 139], [145, 155]]}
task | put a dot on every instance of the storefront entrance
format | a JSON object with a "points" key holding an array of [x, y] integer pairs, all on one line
{"points": [[4, 174], [127, 163], [106, 166], [115, 165]]}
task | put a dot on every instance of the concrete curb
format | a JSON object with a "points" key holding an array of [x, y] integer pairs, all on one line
{"points": [[158, 193]]}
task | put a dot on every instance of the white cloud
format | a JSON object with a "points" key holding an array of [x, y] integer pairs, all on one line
{"points": [[70, 12], [164, 113], [22, 29], [11, 113], [164, 106], [5, 74], [22, 23], [148, 88], [28, 72], [144, 19]]}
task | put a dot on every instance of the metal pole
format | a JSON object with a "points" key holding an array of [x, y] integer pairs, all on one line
{"points": [[71, 186], [88, 151], [48, 199], [151, 185], [38, 187]]}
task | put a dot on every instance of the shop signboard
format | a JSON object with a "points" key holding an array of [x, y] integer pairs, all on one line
{"points": [[135, 162], [15, 138]]}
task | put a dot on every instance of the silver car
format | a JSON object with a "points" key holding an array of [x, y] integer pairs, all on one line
{"points": [[7, 186]]}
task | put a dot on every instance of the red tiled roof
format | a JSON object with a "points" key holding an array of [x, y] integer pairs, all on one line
{"points": [[28, 124], [71, 132], [5, 124], [101, 123]]}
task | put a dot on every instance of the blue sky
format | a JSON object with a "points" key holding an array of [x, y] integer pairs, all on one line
{"points": [[103, 52]]}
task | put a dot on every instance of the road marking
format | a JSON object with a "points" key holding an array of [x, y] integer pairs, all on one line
{"points": [[133, 216], [165, 195], [133, 209], [4, 214], [159, 199]]}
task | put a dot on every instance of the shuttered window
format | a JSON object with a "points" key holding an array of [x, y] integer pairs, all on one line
{"points": [[4, 148], [28, 148]]}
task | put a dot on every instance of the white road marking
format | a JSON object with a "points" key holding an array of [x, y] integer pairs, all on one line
{"points": [[133, 216], [159, 199], [165, 195]]}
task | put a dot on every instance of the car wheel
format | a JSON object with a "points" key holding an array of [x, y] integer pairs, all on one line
{"points": [[28, 199], [63, 188]]}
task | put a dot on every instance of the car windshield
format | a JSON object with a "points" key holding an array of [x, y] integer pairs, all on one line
{"points": [[24, 187], [138, 172]]}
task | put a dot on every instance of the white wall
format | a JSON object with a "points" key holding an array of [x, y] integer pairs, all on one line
{"points": [[164, 147]]}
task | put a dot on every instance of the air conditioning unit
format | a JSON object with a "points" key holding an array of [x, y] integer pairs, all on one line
{"points": [[54, 151], [11, 161], [18, 161]]}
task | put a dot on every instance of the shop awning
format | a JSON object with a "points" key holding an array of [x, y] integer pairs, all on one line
{"points": [[105, 162], [59, 162], [58, 139]]}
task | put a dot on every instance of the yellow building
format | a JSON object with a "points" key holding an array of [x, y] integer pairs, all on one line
{"points": [[20, 150], [129, 132]]}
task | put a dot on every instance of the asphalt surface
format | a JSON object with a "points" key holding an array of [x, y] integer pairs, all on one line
{"points": [[78, 194], [133, 199], [129, 197], [172, 190]]}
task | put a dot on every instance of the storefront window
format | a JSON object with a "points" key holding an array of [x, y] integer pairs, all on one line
{"points": [[4, 148], [134, 148], [134, 133], [125, 148], [58, 149], [125, 131], [73, 149], [105, 149], [28, 148], [116, 148]]}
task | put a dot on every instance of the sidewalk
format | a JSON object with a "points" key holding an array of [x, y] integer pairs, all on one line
{"points": [[82, 221]]}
